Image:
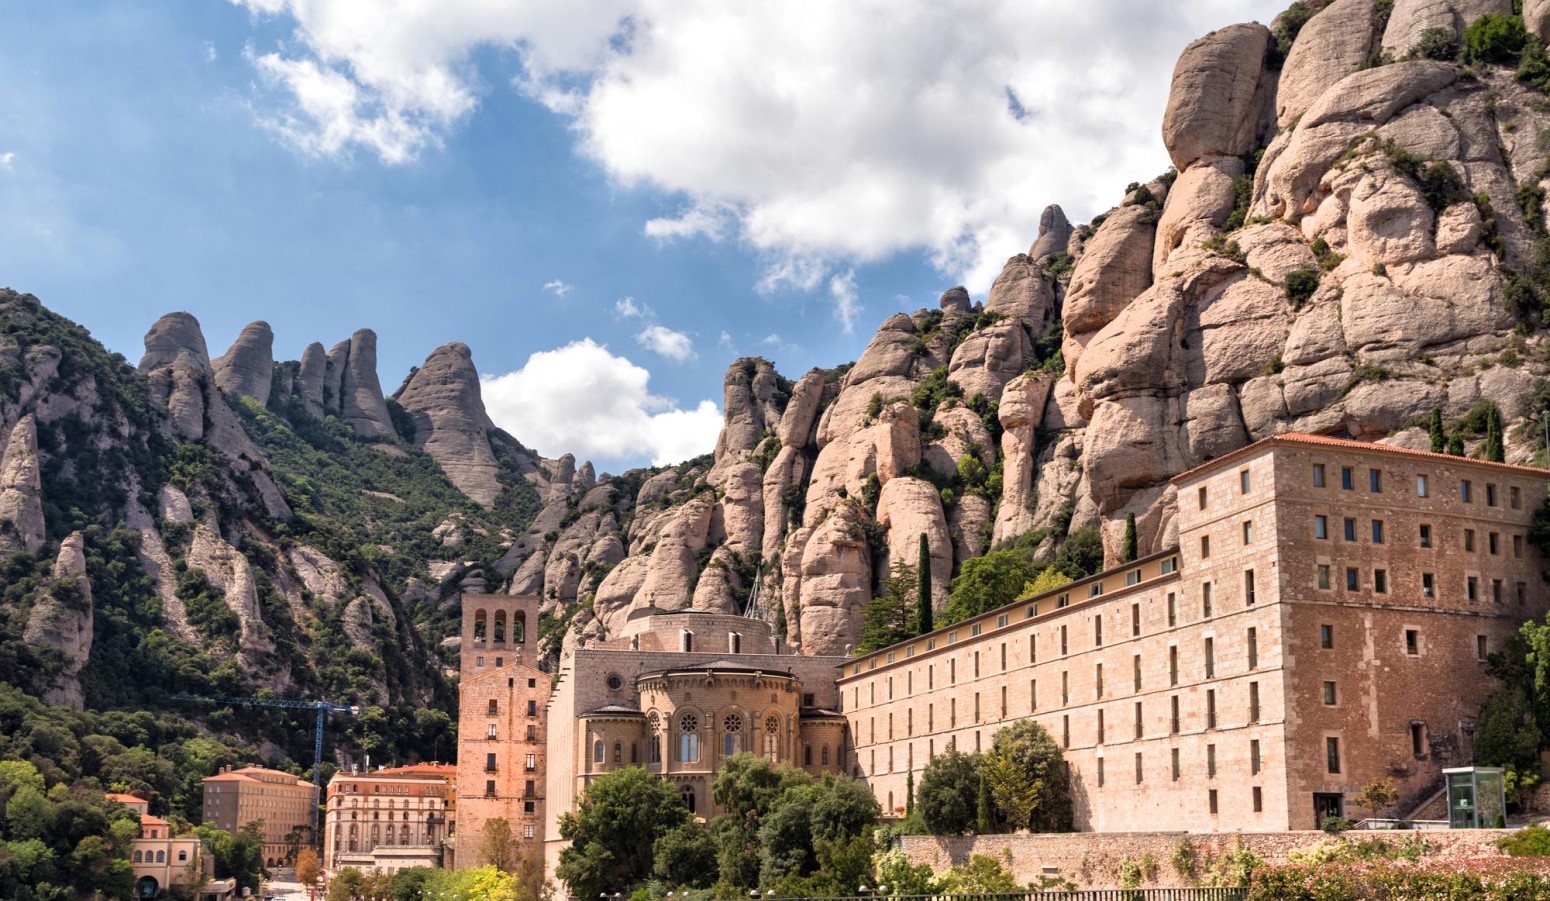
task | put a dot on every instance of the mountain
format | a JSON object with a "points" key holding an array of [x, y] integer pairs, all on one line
{"points": [[1352, 237]]}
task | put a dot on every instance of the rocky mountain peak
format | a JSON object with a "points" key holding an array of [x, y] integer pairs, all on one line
{"points": [[450, 421], [248, 367], [175, 340]]}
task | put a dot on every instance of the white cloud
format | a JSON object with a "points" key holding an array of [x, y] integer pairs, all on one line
{"points": [[726, 340], [627, 308], [558, 288], [6, 159], [822, 135], [847, 306], [673, 345], [210, 54], [582, 399]]}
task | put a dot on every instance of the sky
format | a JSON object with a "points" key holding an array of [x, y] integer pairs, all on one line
{"points": [[609, 202]]}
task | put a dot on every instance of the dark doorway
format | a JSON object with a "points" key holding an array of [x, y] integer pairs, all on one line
{"points": [[1327, 804]]}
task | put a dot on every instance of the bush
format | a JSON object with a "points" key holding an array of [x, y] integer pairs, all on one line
{"points": [[1441, 44], [1530, 841], [1495, 40], [1300, 285], [1334, 825]]}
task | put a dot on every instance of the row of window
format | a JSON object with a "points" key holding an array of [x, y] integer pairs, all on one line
{"points": [[157, 857], [1474, 586], [1321, 531], [529, 790], [494, 706], [498, 633]]}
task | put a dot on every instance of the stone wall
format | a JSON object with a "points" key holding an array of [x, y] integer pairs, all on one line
{"points": [[1092, 860]]}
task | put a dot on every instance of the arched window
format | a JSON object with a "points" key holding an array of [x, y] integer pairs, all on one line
{"points": [[618, 752], [807, 755], [654, 737], [183, 855], [392, 833], [689, 738], [825, 755], [161, 856], [500, 625], [689, 799], [519, 627], [732, 734], [771, 737], [597, 751], [479, 630], [137, 857]]}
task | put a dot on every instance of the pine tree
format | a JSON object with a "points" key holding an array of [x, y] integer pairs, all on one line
{"points": [[923, 583], [984, 813], [1438, 435], [1495, 447], [1130, 538]]}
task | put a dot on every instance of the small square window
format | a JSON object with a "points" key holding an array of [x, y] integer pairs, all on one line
{"points": [[1377, 531], [1480, 647], [1375, 481], [1332, 752], [1469, 540], [1493, 543], [1202, 497], [1320, 527], [1205, 546], [1472, 588], [1243, 481], [1350, 530], [1428, 585], [1490, 495], [1347, 478], [1323, 577], [1211, 800], [1420, 486], [1412, 642], [1248, 532], [1352, 579], [1426, 535], [1380, 581], [1464, 492], [1318, 475], [1329, 694]]}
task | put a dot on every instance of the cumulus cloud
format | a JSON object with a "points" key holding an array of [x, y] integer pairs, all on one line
{"points": [[558, 288], [822, 135], [673, 345], [585, 400]]}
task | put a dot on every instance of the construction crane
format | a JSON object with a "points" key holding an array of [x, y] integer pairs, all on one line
{"points": [[321, 707]]}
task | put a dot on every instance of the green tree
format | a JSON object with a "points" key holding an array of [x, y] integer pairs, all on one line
{"points": [[923, 616], [1438, 434], [747, 789], [1129, 552], [1456, 444], [1048, 579], [1016, 791], [805, 819], [984, 808], [987, 582], [614, 830], [237, 855], [1495, 39], [1507, 733], [948, 787], [895, 871], [1033, 750], [1081, 554], [909, 794], [686, 857], [1377, 795], [1495, 448], [891, 617], [498, 845]]}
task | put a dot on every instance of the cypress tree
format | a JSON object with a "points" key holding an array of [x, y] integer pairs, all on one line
{"points": [[1456, 444], [984, 813], [1495, 447], [923, 585], [1439, 436], [909, 794], [1130, 538]]}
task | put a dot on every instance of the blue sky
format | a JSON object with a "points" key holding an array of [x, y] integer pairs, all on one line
{"points": [[699, 182]]}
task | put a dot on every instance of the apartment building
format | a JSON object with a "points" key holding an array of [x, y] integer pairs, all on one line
{"points": [[390, 819], [1322, 621], [279, 802]]}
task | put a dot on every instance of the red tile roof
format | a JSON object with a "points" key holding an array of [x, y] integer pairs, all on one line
{"points": [[1304, 439], [148, 820], [124, 799]]}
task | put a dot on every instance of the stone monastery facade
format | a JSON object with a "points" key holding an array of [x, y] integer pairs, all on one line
{"points": [[1322, 621]]}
